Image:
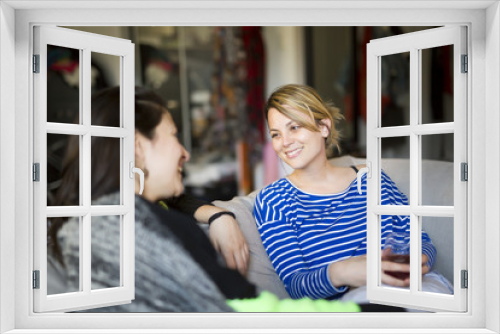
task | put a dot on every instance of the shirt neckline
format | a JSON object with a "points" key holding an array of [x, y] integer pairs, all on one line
{"points": [[343, 192]]}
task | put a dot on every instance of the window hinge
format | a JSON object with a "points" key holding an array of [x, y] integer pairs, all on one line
{"points": [[465, 279], [465, 64], [464, 171], [36, 172], [36, 63], [36, 279]]}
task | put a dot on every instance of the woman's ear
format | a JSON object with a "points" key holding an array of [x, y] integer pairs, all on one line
{"points": [[325, 126], [139, 150]]}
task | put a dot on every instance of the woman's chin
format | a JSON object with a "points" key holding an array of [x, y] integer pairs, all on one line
{"points": [[295, 164], [178, 192]]}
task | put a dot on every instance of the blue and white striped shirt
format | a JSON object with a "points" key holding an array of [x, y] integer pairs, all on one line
{"points": [[303, 233]]}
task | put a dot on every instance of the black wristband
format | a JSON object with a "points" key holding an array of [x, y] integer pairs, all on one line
{"points": [[218, 214]]}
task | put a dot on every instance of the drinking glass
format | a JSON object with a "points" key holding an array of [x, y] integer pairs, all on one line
{"points": [[397, 249]]}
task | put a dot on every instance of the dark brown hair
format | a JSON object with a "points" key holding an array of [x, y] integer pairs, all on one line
{"points": [[105, 111]]}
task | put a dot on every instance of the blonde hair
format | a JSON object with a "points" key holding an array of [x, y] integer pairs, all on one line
{"points": [[303, 105]]}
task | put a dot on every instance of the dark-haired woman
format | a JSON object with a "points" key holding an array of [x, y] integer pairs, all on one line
{"points": [[176, 266]]}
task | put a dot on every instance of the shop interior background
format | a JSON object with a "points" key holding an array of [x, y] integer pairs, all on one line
{"points": [[215, 81]]}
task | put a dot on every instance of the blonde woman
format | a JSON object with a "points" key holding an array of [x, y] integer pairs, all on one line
{"points": [[313, 222]]}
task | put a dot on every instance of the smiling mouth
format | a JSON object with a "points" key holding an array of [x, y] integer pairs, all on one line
{"points": [[293, 153]]}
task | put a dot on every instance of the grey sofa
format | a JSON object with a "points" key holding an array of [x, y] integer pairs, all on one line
{"points": [[437, 189]]}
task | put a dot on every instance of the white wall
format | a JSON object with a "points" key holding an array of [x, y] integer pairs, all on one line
{"points": [[285, 64], [285, 58], [7, 159]]}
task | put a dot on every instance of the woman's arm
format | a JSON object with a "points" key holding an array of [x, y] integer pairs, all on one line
{"points": [[393, 196], [224, 232], [226, 237], [280, 241], [186, 204]]}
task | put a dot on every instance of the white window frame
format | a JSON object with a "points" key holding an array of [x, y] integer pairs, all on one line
{"points": [[85, 43], [483, 21], [414, 43]]}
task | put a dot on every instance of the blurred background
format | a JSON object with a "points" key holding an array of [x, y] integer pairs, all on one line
{"points": [[215, 81]]}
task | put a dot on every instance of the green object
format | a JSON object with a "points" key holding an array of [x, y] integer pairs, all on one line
{"points": [[267, 302], [163, 204]]}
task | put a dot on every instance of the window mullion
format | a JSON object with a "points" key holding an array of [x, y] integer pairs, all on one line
{"points": [[85, 253], [127, 156], [85, 166], [373, 158], [415, 158]]}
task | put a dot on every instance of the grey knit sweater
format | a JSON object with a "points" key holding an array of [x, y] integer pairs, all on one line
{"points": [[167, 279]]}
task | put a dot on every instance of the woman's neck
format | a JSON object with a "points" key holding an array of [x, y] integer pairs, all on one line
{"points": [[145, 193], [314, 174], [323, 179]]}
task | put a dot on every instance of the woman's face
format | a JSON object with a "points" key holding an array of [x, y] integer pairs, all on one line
{"points": [[164, 157], [294, 144]]}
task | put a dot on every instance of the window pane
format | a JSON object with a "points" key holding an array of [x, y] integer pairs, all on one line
{"points": [[441, 232], [105, 175], [63, 155], [395, 89], [63, 84], [395, 244], [395, 153], [437, 84], [109, 71], [437, 170], [106, 245], [63, 274]]}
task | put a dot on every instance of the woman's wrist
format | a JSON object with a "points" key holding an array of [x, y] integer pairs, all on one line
{"points": [[219, 214], [204, 212], [334, 273]]}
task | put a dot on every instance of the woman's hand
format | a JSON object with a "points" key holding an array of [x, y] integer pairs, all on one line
{"points": [[352, 272], [394, 267], [227, 238], [389, 266]]}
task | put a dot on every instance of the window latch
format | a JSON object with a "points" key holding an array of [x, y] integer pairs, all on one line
{"points": [[141, 175], [365, 170]]}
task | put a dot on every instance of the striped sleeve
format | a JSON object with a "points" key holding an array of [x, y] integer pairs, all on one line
{"points": [[391, 195], [280, 241]]}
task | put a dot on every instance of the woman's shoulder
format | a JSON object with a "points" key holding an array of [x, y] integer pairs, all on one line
{"points": [[385, 178], [276, 190], [108, 199], [275, 186]]}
